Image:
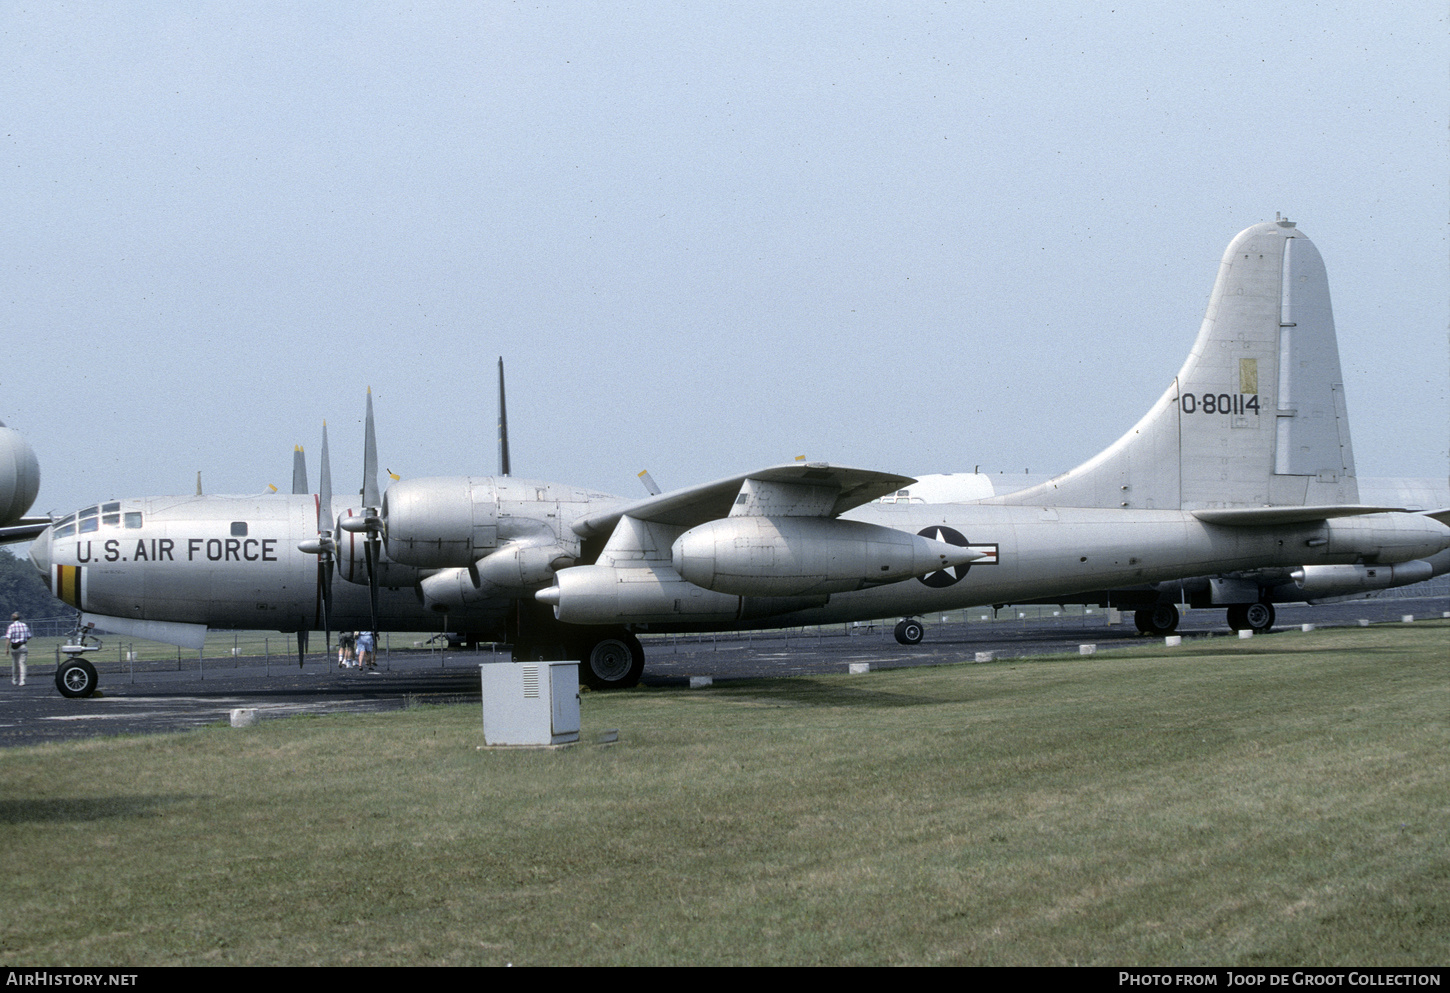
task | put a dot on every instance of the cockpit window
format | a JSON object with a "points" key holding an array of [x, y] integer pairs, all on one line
{"points": [[67, 519], [64, 531], [110, 518], [133, 518], [88, 512], [111, 508], [89, 524]]}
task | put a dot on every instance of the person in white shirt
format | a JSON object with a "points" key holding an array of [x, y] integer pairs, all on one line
{"points": [[19, 633]]}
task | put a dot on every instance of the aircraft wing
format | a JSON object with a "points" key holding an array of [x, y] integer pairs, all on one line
{"points": [[25, 529], [1443, 516], [695, 505], [1248, 517]]}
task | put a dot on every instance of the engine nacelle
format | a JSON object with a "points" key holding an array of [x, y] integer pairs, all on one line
{"points": [[599, 594], [453, 522], [1318, 581], [520, 567], [352, 561], [453, 589], [797, 556], [19, 476], [441, 522]]}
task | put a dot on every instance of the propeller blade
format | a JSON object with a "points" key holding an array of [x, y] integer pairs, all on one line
{"points": [[324, 490], [370, 497], [371, 549], [325, 529], [299, 472], [503, 425]]}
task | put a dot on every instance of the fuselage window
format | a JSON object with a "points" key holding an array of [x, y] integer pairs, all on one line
{"points": [[239, 529], [133, 518]]}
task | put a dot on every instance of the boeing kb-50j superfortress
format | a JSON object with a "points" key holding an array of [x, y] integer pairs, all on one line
{"points": [[1243, 464]]}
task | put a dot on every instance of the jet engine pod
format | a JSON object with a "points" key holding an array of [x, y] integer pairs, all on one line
{"points": [[795, 556], [440, 522], [1344, 580]]}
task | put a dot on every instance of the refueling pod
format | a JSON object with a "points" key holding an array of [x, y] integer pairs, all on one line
{"points": [[805, 556], [1319, 581]]}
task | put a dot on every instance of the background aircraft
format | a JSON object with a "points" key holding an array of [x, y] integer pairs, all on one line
{"points": [[19, 483], [1243, 464]]}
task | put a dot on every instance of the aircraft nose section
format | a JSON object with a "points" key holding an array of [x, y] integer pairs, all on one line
{"points": [[40, 554]]}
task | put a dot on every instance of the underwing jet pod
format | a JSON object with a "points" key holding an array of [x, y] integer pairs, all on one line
{"points": [[1243, 464]]}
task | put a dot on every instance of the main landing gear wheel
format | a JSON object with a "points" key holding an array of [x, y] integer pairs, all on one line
{"points": [[1161, 619], [613, 662], [909, 632], [1256, 617], [76, 678]]}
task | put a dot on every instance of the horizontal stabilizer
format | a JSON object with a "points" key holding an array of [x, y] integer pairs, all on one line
{"points": [[695, 505], [1254, 517], [171, 632]]}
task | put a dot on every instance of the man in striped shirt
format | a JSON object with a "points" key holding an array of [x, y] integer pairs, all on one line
{"points": [[19, 633]]}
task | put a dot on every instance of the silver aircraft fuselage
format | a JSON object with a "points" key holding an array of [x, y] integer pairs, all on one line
{"points": [[233, 562]]}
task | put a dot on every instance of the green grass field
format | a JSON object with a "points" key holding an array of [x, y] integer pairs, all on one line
{"points": [[1281, 800]]}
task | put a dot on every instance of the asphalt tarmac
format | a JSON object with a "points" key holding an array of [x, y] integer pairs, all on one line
{"points": [[154, 698]]}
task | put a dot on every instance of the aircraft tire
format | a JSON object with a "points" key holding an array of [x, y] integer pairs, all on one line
{"points": [[1259, 617], [76, 678], [613, 661], [909, 632], [1158, 620]]}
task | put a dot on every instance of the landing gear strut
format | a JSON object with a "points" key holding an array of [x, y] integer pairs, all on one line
{"points": [[76, 677]]}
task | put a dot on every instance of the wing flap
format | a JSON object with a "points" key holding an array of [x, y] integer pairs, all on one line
{"points": [[1253, 517]]}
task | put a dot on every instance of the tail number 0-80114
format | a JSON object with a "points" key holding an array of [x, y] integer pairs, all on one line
{"points": [[1219, 403]]}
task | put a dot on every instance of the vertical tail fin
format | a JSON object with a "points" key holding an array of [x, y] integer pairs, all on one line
{"points": [[1256, 417]]}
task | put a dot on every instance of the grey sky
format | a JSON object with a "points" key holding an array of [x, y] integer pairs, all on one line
{"points": [[915, 237]]}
